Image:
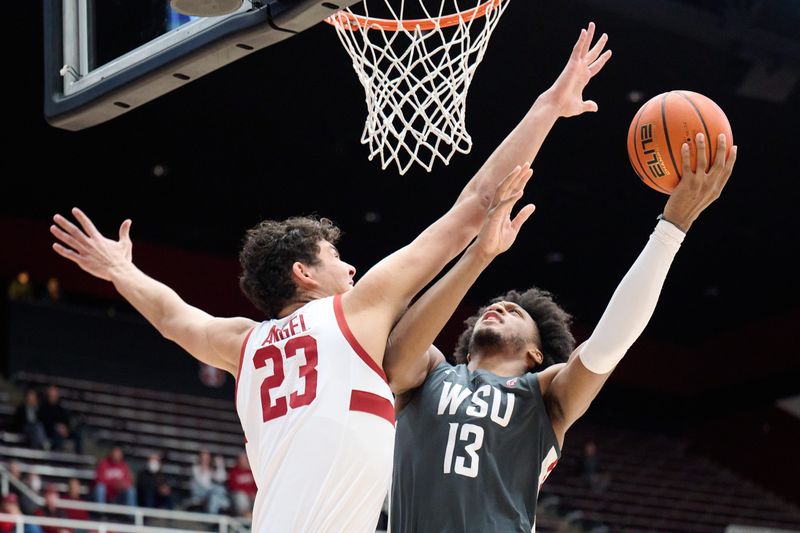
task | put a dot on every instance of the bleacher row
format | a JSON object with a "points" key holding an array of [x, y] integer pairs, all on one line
{"points": [[655, 485], [141, 421]]}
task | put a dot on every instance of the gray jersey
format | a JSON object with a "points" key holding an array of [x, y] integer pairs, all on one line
{"points": [[471, 451]]}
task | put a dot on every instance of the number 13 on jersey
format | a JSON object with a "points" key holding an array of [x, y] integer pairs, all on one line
{"points": [[465, 466], [277, 408]]}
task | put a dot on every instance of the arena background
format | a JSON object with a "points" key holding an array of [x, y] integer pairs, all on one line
{"points": [[276, 134]]}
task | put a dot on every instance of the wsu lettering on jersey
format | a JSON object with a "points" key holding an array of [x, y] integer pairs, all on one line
{"points": [[453, 395]]}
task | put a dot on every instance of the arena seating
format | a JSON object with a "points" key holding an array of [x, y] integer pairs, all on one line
{"points": [[655, 483]]}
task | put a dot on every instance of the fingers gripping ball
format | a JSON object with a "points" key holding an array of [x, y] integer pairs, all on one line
{"points": [[660, 128]]}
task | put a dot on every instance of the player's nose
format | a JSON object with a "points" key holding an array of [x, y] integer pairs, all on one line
{"points": [[497, 308]]}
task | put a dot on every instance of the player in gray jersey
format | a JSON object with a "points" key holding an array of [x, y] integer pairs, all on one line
{"points": [[475, 441]]}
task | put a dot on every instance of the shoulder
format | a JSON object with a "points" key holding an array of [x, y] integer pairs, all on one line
{"points": [[227, 337], [442, 367], [540, 381]]}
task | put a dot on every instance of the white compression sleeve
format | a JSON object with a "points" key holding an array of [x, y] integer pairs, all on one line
{"points": [[633, 302]]}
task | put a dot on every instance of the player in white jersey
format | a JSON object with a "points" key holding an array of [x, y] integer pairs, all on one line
{"points": [[314, 404], [348, 435]]}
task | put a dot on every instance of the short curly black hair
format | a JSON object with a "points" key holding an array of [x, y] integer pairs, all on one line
{"points": [[553, 323], [269, 251]]}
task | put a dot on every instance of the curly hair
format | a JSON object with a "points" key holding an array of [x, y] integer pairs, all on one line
{"points": [[556, 339], [269, 251]]}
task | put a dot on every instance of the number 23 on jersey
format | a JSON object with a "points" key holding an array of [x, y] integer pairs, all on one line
{"points": [[275, 406]]}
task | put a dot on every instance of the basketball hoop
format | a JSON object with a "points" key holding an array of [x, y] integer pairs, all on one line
{"points": [[416, 74]]}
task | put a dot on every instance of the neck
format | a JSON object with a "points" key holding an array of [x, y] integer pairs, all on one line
{"points": [[300, 300], [498, 363]]}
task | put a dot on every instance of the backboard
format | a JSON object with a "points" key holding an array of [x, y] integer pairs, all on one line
{"points": [[106, 57]]}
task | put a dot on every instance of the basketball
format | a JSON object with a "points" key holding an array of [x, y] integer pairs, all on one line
{"points": [[662, 125]]}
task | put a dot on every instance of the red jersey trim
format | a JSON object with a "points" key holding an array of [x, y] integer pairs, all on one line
{"points": [[362, 353], [549, 469], [367, 402], [239, 370]]}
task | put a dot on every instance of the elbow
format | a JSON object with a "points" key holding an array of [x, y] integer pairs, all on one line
{"points": [[397, 388], [401, 379], [403, 384], [166, 329], [602, 357]]}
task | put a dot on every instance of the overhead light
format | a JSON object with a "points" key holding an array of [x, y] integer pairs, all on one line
{"points": [[554, 257], [635, 96], [159, 171]]}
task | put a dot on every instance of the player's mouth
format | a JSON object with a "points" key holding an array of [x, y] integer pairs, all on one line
{"points": [[492, 316]]}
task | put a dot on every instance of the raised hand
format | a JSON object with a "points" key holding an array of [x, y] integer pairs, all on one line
{"points": [[499, 231], [88, 248], [698, 189], [584, 63]]}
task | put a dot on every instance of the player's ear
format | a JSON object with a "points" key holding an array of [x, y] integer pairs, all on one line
{"points": [[302, 276], [534, 356]]}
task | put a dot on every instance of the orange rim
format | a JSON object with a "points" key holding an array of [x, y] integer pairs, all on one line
{"points": [[351, 22]]}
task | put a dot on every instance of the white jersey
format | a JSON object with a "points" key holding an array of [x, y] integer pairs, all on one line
{"points": [[318, 419]]}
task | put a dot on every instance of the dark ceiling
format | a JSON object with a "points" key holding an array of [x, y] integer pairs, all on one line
{"points": [[276, 134]]}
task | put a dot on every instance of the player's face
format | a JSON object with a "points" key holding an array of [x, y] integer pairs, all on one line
{"points": [[507, 323], [334, 275]]}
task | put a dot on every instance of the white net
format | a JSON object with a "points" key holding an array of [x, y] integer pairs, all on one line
{"points": [[416, 74]]}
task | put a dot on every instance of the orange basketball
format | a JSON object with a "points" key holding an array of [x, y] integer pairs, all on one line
{"points": [[662, 125]]}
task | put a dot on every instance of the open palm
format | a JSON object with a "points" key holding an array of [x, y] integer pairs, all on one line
{"points": [[88, 248], [499, 231], [584, 63]]}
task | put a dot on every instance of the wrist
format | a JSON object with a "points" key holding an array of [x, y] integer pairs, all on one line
{"points": [[121, 271], [547, 104], [683, 224], [479, 257]]}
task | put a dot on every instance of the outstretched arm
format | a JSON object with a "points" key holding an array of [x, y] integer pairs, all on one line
{"points": [[576, 384], [381, 295], [215, 341], [374, 305], [409, 354], [563, 99]]}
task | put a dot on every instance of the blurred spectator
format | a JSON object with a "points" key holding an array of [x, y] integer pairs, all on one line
{"points": [[53, 290], [242, 486], [590, 469], [34, 482], [153, 486], [51, 510], [20, 287], [14, 469], [27, 505], [113, 480], [27, 421], [57, 422], [208, 484], [74, 494], [11, 506]]}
